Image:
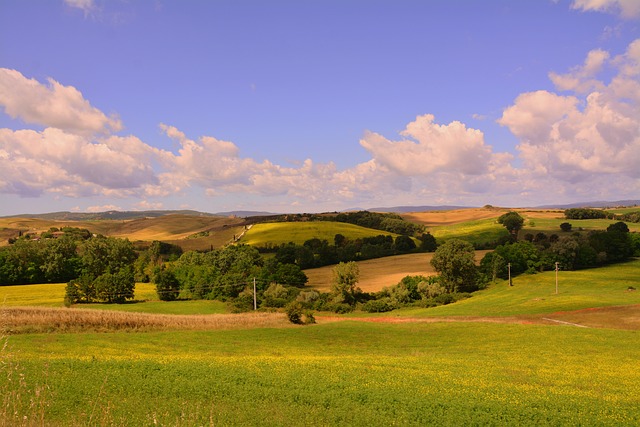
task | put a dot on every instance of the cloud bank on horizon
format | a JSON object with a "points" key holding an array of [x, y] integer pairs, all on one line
{"points": [[577, 140]]}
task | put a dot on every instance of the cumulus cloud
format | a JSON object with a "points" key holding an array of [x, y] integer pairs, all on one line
{"points": [[582, 79], [628, 9], [589, 136], [55, 161], [429, 147], [51, 105]]}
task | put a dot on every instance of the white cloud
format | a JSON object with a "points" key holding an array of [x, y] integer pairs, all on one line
{"points": [[431, 147], [583, 139], [52, 105], [582, 79], [589, 136], [628, 9], [58, 162]]}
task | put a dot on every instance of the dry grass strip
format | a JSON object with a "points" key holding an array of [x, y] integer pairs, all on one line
{"points": [[47, 319]]}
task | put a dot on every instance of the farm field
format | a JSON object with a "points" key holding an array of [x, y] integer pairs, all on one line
{"points": [[172, 228], [344, 373], [278, 233], [375, 274], [445, 365], [520, 355], [479, 225]]}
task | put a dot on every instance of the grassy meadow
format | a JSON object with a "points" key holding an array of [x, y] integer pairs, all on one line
{"points": [[411, 367], [340, 373], [509, 355]]}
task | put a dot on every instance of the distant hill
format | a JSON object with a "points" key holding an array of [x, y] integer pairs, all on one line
{"points": [[245, 214], [599, 204], [406, 209], [113, 215]]}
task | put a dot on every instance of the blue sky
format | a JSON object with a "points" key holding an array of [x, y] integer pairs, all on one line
{"points": [[309, 106]]}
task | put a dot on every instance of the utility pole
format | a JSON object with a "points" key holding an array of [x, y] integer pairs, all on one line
{"points": [[557, 277], [255, 300], [510, 283]]}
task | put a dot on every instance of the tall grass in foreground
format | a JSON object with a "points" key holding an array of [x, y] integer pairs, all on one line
{"points": [[346, 373], [45, 319]]}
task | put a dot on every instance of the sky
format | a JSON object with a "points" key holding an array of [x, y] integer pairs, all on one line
{"points": [[317, 106]]}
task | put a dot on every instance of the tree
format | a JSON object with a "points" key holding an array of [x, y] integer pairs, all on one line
{"points": [[428, 242], [404, 244], [494, 266], [454, 261], [513, 222], [167, 285], [345, 278], [565, 226], [619, 226]]}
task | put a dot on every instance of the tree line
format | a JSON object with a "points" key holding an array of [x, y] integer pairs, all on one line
{"points": [[319, 252]]}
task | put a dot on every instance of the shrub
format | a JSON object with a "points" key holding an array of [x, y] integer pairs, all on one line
{"points": [[378, 306], [294, 312]]}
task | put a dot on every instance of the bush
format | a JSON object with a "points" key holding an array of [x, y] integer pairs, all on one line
{"points": [[294, 312], [378, 306], [565, 226]]}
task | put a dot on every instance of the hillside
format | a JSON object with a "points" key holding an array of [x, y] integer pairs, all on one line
{"points": [[173, 228], [278, 233]]}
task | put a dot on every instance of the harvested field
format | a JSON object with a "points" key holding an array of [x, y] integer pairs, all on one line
{"points": [[45, 319], [375, 274], [440, 218], [436, 218]]}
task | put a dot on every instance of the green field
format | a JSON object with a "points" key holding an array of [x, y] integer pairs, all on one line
{"points": [[476, 231], [346, 373], [278, 233]]}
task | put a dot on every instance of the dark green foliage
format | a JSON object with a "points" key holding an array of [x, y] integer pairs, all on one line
{"points": [[584, 213], [115, 287], [390, 222], [566, 227], [107, 272], [454, 261], [619, 227], [630, 217], [344, 288], [513, 222], [378, 305], [404, 244], [493, 265], [167, 285], [294, 312], [428, 242]]}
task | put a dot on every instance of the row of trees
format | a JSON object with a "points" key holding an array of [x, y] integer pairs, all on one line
{"points": [[317, 253], [588, 213], [573, 251]]}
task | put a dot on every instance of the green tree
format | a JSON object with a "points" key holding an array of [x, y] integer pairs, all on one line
{"points": [[167, 285], [428, 242], [404, 244], [566, 226], [493, 266], [345, 278], [454, 261], [513, 222]]}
